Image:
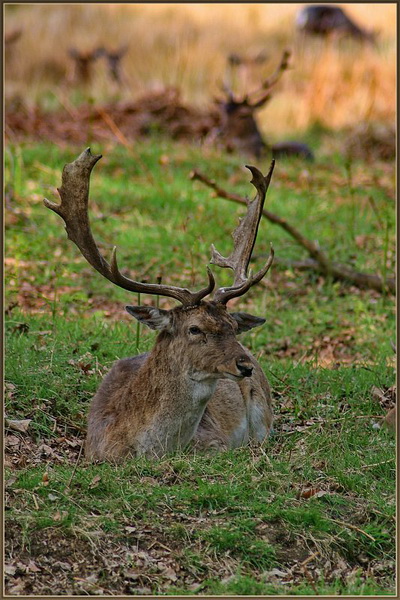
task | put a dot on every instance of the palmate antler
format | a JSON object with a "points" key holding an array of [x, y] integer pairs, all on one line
{"points": [[244, 238], [74, 194]]}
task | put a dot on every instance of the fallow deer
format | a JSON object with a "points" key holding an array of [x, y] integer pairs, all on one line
{"points": [[198, 385], [328, 20], [83, 64], [239, 129], [113, 59]]}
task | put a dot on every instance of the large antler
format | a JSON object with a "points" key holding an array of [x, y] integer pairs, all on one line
{"points": [[244, 238], [74, 194]]}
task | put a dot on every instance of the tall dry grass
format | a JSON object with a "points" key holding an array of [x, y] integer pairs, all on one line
{"points": [[186, 45]]}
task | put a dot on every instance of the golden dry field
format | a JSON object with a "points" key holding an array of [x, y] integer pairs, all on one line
{"points": [[186, 45]]}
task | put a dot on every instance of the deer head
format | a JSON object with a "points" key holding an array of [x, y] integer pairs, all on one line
{"points": [[83, 63], [113, 58], [239, 129]]}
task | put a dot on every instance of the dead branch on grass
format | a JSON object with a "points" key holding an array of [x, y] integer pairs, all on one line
{"points": [[319, 261]]}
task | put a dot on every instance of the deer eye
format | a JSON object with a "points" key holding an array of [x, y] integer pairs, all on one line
{"points": [[194, 330]]}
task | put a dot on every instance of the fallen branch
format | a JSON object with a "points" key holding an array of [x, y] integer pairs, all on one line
{"points": [[320, 261], [349, 526]]}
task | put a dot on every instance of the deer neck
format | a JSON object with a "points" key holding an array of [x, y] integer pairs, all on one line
{"points": [[173, 397]]}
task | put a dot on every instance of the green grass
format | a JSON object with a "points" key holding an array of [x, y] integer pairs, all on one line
{"points": [[199, 524]]}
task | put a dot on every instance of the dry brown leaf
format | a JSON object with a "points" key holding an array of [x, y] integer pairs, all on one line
{"points": [[311, 492], [10, 570], [32, 567], [21, 425], [12, 440], [95, 482]]}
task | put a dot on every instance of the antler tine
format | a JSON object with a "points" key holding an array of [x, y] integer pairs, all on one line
{"points": [[74, 194], [244, 238], [272, 80]]}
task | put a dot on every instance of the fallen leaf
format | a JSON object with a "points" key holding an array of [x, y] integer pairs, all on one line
{"points": [[170, 574], [12, 440], [60, 515], [18, 425], [10, 570], [63, 565], [95, 482], [130, 529], [310, 492], [46, 450], [274, 573], [32, 567]]}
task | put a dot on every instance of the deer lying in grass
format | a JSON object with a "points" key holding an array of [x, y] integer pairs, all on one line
{"points": [[239, 129], [329, 20], [198, 384]]}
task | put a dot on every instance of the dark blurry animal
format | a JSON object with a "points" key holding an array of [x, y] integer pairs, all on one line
{"points": [[83, 64], [238, 129], [327, 19], [113, 58], [10, 37]]}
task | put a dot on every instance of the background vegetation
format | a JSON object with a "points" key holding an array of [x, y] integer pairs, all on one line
{"points": [[312, 510], [187, 46]]}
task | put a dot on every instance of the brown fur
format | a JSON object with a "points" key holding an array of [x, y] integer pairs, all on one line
{"points": [[189, 388]]}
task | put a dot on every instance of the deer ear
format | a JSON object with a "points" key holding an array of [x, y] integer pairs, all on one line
{"points": [[246, 322], [155, 318]]}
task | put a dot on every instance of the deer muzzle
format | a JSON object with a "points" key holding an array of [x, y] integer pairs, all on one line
{"points": [[237, 368]]}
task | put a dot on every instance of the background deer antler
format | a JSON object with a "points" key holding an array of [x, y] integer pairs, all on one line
{"points": [[252, 99], [74, 194]]}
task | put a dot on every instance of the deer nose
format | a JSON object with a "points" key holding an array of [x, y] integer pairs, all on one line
{"points": [[245, 367]]}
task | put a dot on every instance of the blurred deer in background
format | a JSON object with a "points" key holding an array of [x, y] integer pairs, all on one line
{"points": [[84, 60], [10, 38], [239, 129], [198, 384], [113, 58], [329, 20]]}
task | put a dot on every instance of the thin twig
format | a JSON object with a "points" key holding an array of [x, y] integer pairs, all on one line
{"points": [[310, 578], [384, 462], [122, 138], [115, 129], [353, 527], [310, 558], [35, 502], [159, 544], [74, 469]]}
